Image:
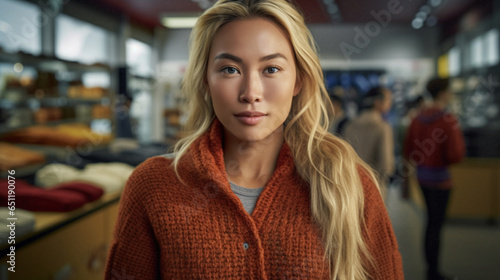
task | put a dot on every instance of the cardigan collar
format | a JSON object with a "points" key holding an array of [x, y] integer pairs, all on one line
{"points": [[206, 156]]}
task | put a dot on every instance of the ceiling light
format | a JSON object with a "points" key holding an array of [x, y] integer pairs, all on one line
{"points": [[421, 15], [426, 9], [431, 21], [424, 15], [179, 21], [435, 3], [417, 23]]}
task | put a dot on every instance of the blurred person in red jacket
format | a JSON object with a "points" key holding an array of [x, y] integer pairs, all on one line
{"points": [[433, 142]]}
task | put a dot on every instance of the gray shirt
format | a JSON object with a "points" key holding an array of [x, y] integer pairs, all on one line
{"points": [[248, 197]]}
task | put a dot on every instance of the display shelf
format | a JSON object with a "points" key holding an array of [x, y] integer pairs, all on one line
{"points": [[48, 222], [59, 94], [137, 82], [62, 245], [52, 102], [476, 190], [23, 171], [5, 129], [142, 77], [46, 62]]}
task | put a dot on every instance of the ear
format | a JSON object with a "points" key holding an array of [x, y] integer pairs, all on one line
{"points": [[298, 86]]}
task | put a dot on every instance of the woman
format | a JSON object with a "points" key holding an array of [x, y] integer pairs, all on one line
{"points": [[434, 141], [260, 189]]}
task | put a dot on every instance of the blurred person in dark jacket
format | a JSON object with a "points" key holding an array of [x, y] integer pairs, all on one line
{"points": [[433, 142], [340, 118]]}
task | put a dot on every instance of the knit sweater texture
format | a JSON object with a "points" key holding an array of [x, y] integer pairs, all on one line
{"points": [[200, 230]]}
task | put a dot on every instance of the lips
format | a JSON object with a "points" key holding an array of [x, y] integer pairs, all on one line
{"points": [[250, 117]]}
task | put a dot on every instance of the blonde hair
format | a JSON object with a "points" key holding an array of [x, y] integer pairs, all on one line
{"points": [[327, 163]]}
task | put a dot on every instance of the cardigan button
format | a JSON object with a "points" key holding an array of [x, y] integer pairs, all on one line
{"points": [[245, 245]]}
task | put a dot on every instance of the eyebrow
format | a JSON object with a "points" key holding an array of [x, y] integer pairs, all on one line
{"points": [[239, 60]]}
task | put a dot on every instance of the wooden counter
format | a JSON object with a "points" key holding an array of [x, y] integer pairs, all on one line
{"points": [[72, 245], [476, 190]]}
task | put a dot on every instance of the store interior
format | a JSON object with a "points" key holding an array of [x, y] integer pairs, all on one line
{"points": [[91, 89]]}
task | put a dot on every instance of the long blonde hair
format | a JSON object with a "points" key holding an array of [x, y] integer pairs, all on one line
{"points": [[327, 163]]}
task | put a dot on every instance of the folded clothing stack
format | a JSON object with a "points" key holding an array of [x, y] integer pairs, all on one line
{"points": [[66, 135], [25, 223], [55, 173], [12, 157], [51, 153], [111, 177], [125, 151], [61, 198]]}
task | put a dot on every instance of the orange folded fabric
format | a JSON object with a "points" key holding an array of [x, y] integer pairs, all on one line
{"points": [[12, 157], [67, 135]]}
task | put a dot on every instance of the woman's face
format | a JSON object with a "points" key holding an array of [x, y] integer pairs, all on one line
{"points": [[251, 78]]}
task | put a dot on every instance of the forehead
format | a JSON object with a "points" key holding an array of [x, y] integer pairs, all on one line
{"points": [[258, 36]]}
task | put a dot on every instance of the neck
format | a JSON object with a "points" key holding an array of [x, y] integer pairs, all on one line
{"points": [[251, 164], [441, 104]]}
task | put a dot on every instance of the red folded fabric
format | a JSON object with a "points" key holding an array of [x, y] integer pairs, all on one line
{"points": [[64, 198], [90, 192]]}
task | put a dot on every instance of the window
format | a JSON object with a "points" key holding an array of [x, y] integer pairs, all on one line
{"points": [[96, 79], [454, 61], [80, 41], [139, 58], [490, 42], [20, 27], [476, 52]]}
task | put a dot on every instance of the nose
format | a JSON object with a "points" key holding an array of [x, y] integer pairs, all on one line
{"points": [[251, 89]]}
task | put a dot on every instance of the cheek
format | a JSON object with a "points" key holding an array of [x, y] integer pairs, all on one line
{"points": [[221, 94], [280, 90], [215, 87]]}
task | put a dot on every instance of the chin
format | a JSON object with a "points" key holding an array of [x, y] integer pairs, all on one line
{"points": [[250, 137], [257, 133]]}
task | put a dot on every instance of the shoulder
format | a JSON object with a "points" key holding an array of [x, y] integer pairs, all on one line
{"points": [[370, 188], [450, 118], [379, 129], [385, 126], [147, 176], [374, 205], [350, 128], [170, 156], [153, 165], [448, 122]]}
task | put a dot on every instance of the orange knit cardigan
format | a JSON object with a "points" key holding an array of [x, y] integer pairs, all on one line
{"points": [[167, 230]]}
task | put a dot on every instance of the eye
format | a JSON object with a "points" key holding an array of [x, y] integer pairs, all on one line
{"points": [[272, 70], [229, 70]]}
